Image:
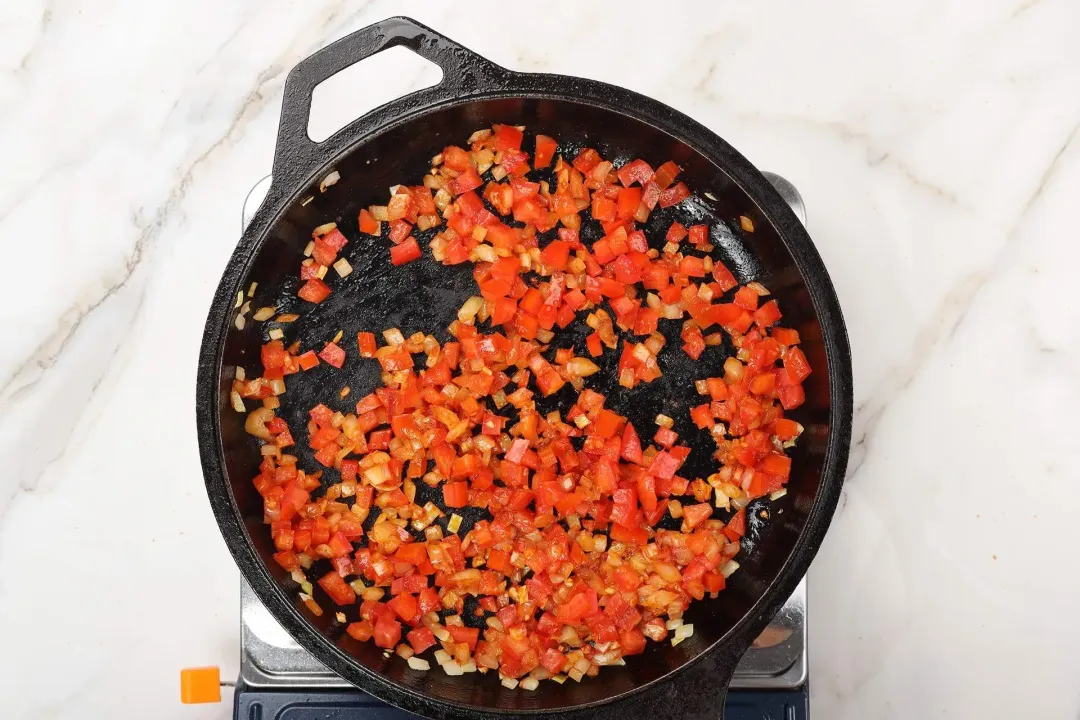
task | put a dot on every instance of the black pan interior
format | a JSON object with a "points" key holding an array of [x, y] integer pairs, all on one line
{"points": [[425, 296]]}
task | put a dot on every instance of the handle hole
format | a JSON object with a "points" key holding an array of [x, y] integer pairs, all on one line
{"points": [[366, 85]]}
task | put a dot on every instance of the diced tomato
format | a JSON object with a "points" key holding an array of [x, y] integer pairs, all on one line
{"points": [[338, 590], [308, 360], [768, 314], [507, 137], [606, 424], [314, 291], [365, 341], [702, 416], [421, 638], [456, 494], [368, 224], [736, 526], [692, 266], [632, 642], [723, 276], [288, 560], [553, 661], [797, 366], [666, 173], [405, 606], [631, 445], [699, 234], [636, 171], [664, 465], [406, 252], [791, 396], [785, 336], [633, 536], [360, 631], [665, 437], [387, 633], [545, 151], [586, 160], [467, 635], [333, 355], [746, 298], [694, 515], [787, 429], [556, 254], [466, 181]]}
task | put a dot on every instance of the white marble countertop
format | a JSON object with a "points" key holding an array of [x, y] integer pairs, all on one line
{"points": [[936, 144]]}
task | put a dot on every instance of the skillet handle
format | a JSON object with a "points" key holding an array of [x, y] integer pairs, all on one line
{"points": [[464, 72], [697, 691]]}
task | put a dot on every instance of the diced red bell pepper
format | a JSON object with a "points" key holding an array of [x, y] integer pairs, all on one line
{"points": [[545, 151], [314, 291], [333, 355], [406, 252]]}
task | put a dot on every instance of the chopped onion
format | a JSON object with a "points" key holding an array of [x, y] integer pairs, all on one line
{"points": [[746, 223], [276, 333], [664, 421], [509, 683], [778, 494], [483, 252], [417, 663], [468, 310], [729, 567], [256, 422], [393, 336], [240, 322], [681, 633], [344, 269], [237, 402], [454, 523], [530, 683], [582, 367], [264, 313], [329, 181], [323, 229], [672, 312]]}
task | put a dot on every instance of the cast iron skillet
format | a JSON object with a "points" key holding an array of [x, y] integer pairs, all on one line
{"points": [[393, 144]]}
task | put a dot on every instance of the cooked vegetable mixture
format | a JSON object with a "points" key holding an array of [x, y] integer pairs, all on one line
{"points": [[565, 570]]}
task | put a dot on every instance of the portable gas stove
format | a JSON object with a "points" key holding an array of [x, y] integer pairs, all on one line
{"points": [[279, 680]]}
